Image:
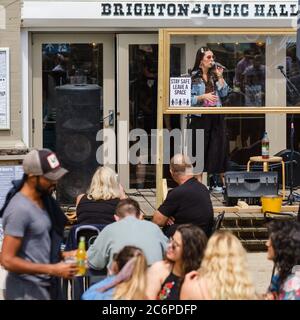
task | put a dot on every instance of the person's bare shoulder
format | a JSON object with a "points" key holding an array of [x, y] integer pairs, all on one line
{"points": [[161, 267]]}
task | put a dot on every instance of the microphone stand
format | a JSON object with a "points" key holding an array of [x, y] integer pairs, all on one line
{"points": [[294, 91]]}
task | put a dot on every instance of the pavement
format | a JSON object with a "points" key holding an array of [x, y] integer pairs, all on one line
{"points": [[260, 269]]}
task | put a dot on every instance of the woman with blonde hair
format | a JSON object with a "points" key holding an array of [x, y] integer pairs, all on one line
{"points": [[98, 205], [223, 273], [128, 279]]}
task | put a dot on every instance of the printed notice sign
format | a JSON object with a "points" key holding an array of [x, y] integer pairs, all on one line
{"points": [[4, 88], [180, 92], [7, 174]]}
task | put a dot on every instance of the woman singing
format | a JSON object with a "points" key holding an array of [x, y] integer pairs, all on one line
{"points": [[208, 86]]}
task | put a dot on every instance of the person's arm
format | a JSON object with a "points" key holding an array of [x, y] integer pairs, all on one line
{"points": [[122, 192], [13, 263], [159, 219], [167, 209], [155, 275], [222, 86], [97, 253], [79, 198], [194, 288], [190, 288]]}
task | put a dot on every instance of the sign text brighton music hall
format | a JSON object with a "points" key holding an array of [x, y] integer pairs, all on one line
{"points": [[234, 9]]}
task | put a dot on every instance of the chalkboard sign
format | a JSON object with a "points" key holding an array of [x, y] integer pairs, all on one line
{"points": [[7, 174]]}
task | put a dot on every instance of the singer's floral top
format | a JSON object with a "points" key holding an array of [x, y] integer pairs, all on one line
{"points": [[199, 86], [289, 290]]}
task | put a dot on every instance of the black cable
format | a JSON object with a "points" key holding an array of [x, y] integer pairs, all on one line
{"points": [[139, 194], [292, 90], [146, 199]]}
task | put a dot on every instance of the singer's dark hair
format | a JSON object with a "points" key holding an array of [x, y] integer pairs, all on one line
{"points": [[199, 57]]}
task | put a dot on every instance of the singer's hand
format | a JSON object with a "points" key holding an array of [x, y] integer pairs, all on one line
{"points": [[219, 71], [209, 97]]}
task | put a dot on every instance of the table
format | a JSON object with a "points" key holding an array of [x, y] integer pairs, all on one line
{"points": [[265, 163]]}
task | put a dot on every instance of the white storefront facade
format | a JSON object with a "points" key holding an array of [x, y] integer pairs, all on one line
{"points": [[87, 65]]}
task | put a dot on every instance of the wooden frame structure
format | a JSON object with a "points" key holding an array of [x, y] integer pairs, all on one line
{"points": [[5, 88], [163, 106]]}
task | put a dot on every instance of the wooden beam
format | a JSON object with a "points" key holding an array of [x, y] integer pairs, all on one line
{"points": [[252, 209], [159, 138]]}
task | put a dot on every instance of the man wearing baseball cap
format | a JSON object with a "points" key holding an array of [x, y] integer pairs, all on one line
{"points": [[33, 225]]}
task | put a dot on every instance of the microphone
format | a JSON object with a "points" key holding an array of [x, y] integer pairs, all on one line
{"points": [[280, 67], [217, 65]]}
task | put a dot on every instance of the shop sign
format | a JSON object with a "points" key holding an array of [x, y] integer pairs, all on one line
{"points": [[56, 48], [7, 175], [200, 9]]}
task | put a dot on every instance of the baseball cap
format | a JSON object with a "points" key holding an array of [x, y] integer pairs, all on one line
{"points": [[43, 162]]}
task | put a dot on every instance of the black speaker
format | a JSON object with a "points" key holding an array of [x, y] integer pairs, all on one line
{"points": [[249, 186], [287, 158], [78, 119]]}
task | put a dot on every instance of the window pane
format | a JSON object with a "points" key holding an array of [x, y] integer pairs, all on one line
{"points": [[292, 72], [143, 68], [241, 60], [73, 111], [244, 135], [63, 64]]}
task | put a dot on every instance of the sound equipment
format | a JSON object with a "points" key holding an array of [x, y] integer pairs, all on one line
{"points": [[78, 119], [286, 157], [249, 186]]}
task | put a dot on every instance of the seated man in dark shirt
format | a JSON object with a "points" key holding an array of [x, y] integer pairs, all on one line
{"points": [[189, 202]]}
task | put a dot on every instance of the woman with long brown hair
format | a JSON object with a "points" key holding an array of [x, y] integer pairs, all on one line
{"points": [[208, 87], [184, 254]]}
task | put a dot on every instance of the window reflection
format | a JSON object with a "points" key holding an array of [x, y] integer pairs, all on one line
{"points": [[244, 135], [62, 64], [73, 111], [292, 94], [293, 76], [245, 73], [143, 68]]}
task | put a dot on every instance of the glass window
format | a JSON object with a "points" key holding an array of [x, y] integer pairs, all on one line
{"points": [[66, 64], [245, 72], [292, 71], [143, 68], [72, 76], [244, 136], [292, 99], [240, 60]]}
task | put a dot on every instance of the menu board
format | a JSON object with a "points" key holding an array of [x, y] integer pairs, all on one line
{"points": [[7, 174], [4, 89]]}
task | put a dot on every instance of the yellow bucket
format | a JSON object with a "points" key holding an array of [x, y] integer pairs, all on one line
{"points": [[271, 203]]}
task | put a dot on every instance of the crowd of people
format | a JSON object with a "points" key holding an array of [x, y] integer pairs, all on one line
{"points": [[141, 260]]}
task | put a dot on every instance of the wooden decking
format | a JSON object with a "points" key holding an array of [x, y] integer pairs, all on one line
{"points": [[147, 201]]}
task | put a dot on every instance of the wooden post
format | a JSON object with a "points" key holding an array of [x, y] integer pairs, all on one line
{"points": [[159, 139]]}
